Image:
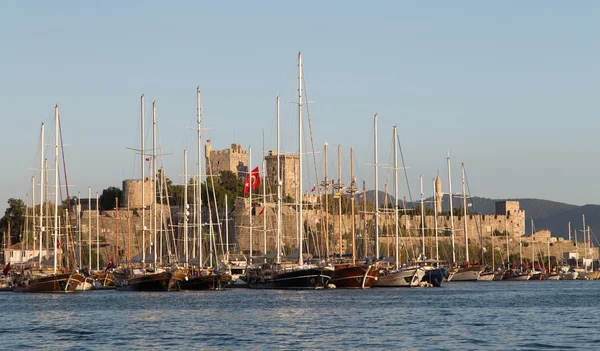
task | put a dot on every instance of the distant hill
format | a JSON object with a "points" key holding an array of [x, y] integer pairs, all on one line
{"points": [[546, 214]]}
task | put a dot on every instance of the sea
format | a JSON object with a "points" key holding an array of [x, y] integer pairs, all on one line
{"points": [[540, 315]]}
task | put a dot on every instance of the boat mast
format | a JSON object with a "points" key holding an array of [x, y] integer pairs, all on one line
{"points": [[264, 172], [340, 200], [199, 155], [42, 196], [33, 212], [435, 220], [352, 191], [56, 188], [364, 214], [584, 242], [89, 228], [301, 222], [376, 191], [326, 185], [422, 217], [464, 191], [97, 232], [451, 211], [78, 223], [396, 228], [250, 197], [226, 230], [143, 183], [278, 189], [153, 188], [186, 206]]}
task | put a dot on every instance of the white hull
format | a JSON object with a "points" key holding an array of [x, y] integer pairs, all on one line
{"points": [[488, 277], [86, 285], [589, 276], [405, 277], [553, 277], [569, 276], [466, 275]]}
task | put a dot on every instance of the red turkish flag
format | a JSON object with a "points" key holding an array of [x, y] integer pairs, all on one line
{"points": [[252, 181], [261, 211]]}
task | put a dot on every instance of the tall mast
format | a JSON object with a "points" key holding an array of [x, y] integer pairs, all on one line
{"points": [[89, 228], [186, 207], [78, 223], [301, 222], [264, 172], [199, 200], [42, 196], [250, 197], [464, 191], [153, 188], [422, 217], [396, 229], [143, 184], [376, 191], [226, 230], [117, 231], [352, 191], [584, 242], [435, 220], [364, 216], [326, 184], [97, 232], [570, 238], [340, 200], [33, 211], [56, 188], [278, 188], [451, 211]]}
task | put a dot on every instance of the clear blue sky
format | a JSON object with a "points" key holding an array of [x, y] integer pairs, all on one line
{"points": [[510, 88]]}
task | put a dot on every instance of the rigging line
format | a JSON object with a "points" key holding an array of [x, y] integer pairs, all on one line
{"points": [[404, 167], [312, 142], [166, 191], [62, 148], [476, 223]]}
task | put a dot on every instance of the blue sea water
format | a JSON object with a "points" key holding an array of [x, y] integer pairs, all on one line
{"points": [[540, 315]]}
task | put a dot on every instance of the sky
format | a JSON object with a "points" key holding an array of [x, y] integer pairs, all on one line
{"points": [[509, 88]]}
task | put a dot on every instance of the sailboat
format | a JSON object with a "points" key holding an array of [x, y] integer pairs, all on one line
{"points": [[41, 282], [405, 276], [346, 274], [141, 278], [290, 275]]}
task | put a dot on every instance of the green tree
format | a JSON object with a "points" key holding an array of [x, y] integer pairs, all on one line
{"points": [[14, 216], [107, 199]]}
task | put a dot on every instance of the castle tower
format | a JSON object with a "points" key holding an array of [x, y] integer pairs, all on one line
{"points": [[289, 165], [439, 195], [234, 159]]}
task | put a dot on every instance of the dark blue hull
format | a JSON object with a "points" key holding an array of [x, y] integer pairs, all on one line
{"points": [[434, 276]]}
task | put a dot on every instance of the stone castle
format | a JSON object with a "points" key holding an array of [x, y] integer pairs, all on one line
{"points": [[234, 159]]}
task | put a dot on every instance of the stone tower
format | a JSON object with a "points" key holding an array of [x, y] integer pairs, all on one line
{"points": [[289, 165], [439, 194], [234, 160], [132, 193]]}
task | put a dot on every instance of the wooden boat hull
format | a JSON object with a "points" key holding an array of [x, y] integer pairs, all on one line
{"points": [[405, 277], [569, 276], [148, 282], [49, 284], [205, 282], [487, 276], [348, 276]]}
